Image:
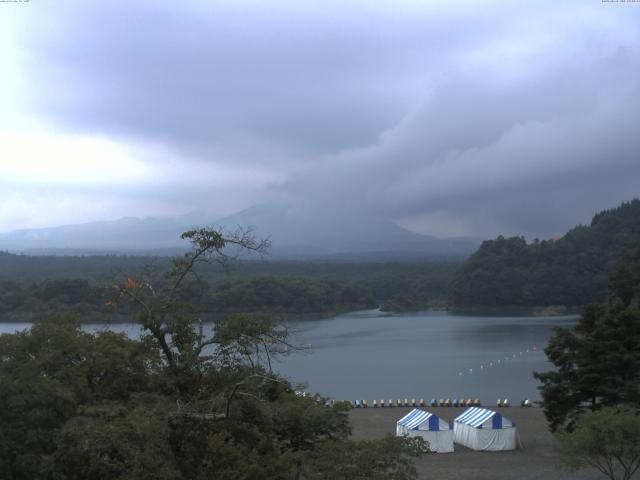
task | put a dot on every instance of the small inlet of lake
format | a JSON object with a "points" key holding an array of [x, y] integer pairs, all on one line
{"points": [[432, 354]]}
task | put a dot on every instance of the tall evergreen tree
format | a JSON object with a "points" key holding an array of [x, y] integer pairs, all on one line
{"points": [[598, 360]]}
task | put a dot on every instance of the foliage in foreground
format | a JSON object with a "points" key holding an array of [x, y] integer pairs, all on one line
{"points": [[176, 404], [76, 405], [608, 440], [597, 361]]}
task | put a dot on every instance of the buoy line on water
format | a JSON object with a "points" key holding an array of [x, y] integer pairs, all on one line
{"points": [[419, 403], [500, 361], [442, 402]]}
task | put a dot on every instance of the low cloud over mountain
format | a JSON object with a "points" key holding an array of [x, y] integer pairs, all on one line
{"points": [[457, 118]]}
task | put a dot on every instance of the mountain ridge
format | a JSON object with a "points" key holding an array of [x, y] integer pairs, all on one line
{"points": [[294, 235]]}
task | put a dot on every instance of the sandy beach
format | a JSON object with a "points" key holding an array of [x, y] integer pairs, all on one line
{"points": [[536, 460]]}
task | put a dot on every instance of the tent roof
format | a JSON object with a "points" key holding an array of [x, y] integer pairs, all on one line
{"points": [[476, 416], [415, 418]]}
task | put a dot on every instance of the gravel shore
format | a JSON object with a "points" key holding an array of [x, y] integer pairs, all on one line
{"points": [[536, 460]]}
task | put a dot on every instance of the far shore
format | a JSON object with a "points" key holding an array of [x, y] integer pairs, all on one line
{"points": [[123, 318], [115, 318], [517, 311]]}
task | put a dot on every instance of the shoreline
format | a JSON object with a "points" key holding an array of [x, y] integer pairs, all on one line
{"points": [[111, 318], [517, 311], [120, 319]]}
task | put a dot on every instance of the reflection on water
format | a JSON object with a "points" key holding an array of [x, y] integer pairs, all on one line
{"points": [[369, 354]]}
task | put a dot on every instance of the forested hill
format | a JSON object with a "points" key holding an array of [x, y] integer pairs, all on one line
{"points": [[573, 270], [91, 267], [34, 287]]}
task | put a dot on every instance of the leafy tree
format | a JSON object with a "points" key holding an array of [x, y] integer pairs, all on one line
{"points": [[598, 360], [387, 459], [608, 440], [48, 372], [625, 282], [180, 403], [114, 440]]}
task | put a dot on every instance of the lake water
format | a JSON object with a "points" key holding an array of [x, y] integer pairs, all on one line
{"points": [[369, 354]]}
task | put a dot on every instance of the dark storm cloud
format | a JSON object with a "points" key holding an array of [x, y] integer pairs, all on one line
{"points": [[532, 156], [199, 74], [475, 118]]}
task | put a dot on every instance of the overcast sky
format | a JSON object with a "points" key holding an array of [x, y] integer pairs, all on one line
{"points": [[451, 118]]}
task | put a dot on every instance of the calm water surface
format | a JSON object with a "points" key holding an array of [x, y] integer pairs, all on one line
{"points": [[424, 355], [370, 354]]}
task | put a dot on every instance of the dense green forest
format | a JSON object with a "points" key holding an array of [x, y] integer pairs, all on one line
{"points": [[597, 360], [175, 404], [573, 270], [34, 286], [591, 397], [506, 272]]}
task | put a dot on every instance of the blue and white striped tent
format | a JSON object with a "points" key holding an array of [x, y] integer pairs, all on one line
{"points": [[420, 423], [483, 429]]}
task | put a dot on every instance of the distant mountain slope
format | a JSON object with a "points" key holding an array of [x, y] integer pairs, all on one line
{"points": [[297, 235], [572, 270], [293, 235], [125, 234]]}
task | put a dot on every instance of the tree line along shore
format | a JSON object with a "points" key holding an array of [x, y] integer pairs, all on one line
{"points": [[504, 276]]}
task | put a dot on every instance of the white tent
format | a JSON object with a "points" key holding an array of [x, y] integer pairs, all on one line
{"points": [[420, 423], [482, 429]]}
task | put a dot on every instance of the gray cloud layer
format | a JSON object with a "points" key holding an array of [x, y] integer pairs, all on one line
{"points": [[479, 118]]}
